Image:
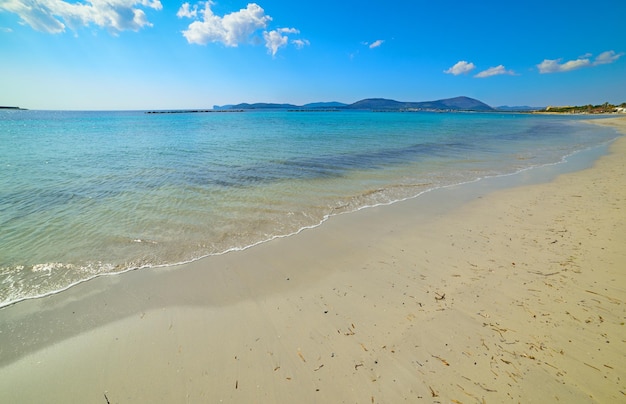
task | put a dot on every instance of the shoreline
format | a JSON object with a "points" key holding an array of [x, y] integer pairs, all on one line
{"points": [[383, 304], [542, 171]]}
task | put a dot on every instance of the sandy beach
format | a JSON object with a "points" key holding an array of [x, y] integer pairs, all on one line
{"points": [[473, 293]]}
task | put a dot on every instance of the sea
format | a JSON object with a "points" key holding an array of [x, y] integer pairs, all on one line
{"points": [[87, 194]]}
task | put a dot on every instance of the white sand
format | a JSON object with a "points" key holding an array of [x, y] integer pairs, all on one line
{"points": [[518, 295]]}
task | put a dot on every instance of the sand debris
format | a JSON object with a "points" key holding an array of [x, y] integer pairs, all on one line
{"points": [[445, 362]]}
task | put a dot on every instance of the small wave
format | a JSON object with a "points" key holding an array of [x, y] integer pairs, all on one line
{"points": [[50, 266], [138, 240]]}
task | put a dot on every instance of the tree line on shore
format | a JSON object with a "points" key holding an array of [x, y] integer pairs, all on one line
{"points": [[605, 108]]}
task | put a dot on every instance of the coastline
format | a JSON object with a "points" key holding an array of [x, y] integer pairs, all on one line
{"points": [[513, 294]]}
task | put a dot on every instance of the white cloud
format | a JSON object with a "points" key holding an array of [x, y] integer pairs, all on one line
{"points": [[52, 16], [555, 65], [607, 57], [275, 40], [235, 28], [231, 30], [376, 43], [185, 11], [37, 16], [494, 71], [301, 43], [461, 67]]}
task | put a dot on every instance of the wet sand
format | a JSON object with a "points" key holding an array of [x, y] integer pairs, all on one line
{"points": [[466, 294]]}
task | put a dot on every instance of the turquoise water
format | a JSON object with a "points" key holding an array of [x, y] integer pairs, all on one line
{"points": [[89, 193]]}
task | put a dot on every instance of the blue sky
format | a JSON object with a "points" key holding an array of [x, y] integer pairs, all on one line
{"points": [[151, 54]]}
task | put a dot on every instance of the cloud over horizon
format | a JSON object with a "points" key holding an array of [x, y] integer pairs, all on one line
{"points": [[275, 39], [495, 71], [555, 65], [376, 43], [301, 43], [52, 16], [461, 67], [231, 29], [235, 28]]}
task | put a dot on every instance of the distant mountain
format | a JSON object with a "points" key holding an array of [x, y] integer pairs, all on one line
{"points": [[448, 104], [522, 108], [323, 105], [258, 105], [222, 107], [458, 103], [266, 105], [377, 103]]}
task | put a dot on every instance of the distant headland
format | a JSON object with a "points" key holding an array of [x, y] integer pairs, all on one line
{"points": [[16, 108], [191, 111]]}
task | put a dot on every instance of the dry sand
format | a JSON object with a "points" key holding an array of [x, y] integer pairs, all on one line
{"points": [[462, 295]]}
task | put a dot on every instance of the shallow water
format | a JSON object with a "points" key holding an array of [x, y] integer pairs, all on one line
{"points": [[89, 193]]}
